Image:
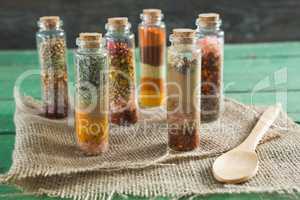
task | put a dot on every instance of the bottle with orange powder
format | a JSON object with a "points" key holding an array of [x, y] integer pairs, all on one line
{"points": [[152, 44], [91, 98]]}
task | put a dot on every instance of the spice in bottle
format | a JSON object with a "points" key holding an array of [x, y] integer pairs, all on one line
{"points": [[211, 40], [152, 45], [121, 56], [183, 91], [91, 98], [51, 45]]}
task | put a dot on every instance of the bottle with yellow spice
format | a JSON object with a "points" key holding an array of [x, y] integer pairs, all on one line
{"points": [[152, 44], [91, 97]]}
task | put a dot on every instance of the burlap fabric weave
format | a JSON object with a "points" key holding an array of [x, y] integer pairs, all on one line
{"points": [[46, 159]]}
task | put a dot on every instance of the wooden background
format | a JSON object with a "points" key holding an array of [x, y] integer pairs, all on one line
{"points": [[244, 20]]}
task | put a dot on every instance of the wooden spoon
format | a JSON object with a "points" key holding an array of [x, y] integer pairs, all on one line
{"points": [[241, 163]]}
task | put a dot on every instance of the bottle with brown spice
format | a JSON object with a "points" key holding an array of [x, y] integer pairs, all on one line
{"points": [[183, 90], [211, 40], [91, 96], [51, 44], [121, 57], [152, 45]]}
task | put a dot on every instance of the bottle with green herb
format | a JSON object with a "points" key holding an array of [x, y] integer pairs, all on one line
{"points": [[183, 90], [91, 97], [121, 55], [51, 44], [211, 41]]}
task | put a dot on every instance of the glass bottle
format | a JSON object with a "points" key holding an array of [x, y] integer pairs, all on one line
{"points": [[211, 40], [152, 45], [91, 97], [51, 45], [121, 55], [183, 90]]}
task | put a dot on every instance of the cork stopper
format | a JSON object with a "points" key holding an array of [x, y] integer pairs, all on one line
{"points": [[89, 40], [90, 36], [151, 15], [208, 19], [117, 22], [152, 12], [183, 32], [49, 21]]}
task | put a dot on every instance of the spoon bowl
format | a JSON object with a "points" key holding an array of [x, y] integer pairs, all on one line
{"points": [[241, 163], [235, 166]]}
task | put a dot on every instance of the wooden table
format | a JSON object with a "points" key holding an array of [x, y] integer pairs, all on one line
{"points": [[254, 73]]}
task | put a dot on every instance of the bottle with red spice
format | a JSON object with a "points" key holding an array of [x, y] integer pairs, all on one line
{"points": [[211, 40], [183, 90], [121, 55], [152, 45]]}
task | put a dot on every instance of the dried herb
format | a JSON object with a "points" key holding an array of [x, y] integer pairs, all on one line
{"points": [[211, 78], [91, 71], [184, 65], [54, 77], [91, 92], [122, 77]]}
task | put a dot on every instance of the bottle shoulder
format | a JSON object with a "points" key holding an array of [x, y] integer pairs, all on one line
{"points": [[204, 33], [101, 52], [184, 49], [50, 33], [160, 25], [113, 36]]}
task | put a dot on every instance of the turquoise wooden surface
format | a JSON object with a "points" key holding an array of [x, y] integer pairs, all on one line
{"points": [[273, 68]]}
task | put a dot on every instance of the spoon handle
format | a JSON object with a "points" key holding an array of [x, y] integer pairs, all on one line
{"points": [[262, 126]]}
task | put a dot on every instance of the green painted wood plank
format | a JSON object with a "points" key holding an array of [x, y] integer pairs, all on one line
{"points": [[269, 74], [7, 144], [234, 51], [239, 74], [262, 50], [7, 109]]}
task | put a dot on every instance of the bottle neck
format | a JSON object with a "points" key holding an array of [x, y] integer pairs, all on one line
{"points": [[50, 26], [151, 20], [186, 42], [120, 30], [89, 46], [95, 48], [208, 28]]}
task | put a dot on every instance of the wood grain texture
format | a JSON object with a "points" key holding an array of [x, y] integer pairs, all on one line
{"points": [[244, 21]]}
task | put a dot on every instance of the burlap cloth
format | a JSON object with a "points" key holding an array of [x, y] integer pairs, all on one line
{"points": [[46, 159]]}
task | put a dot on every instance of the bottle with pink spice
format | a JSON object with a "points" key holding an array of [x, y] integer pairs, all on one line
{"points": [[210, 37]]}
